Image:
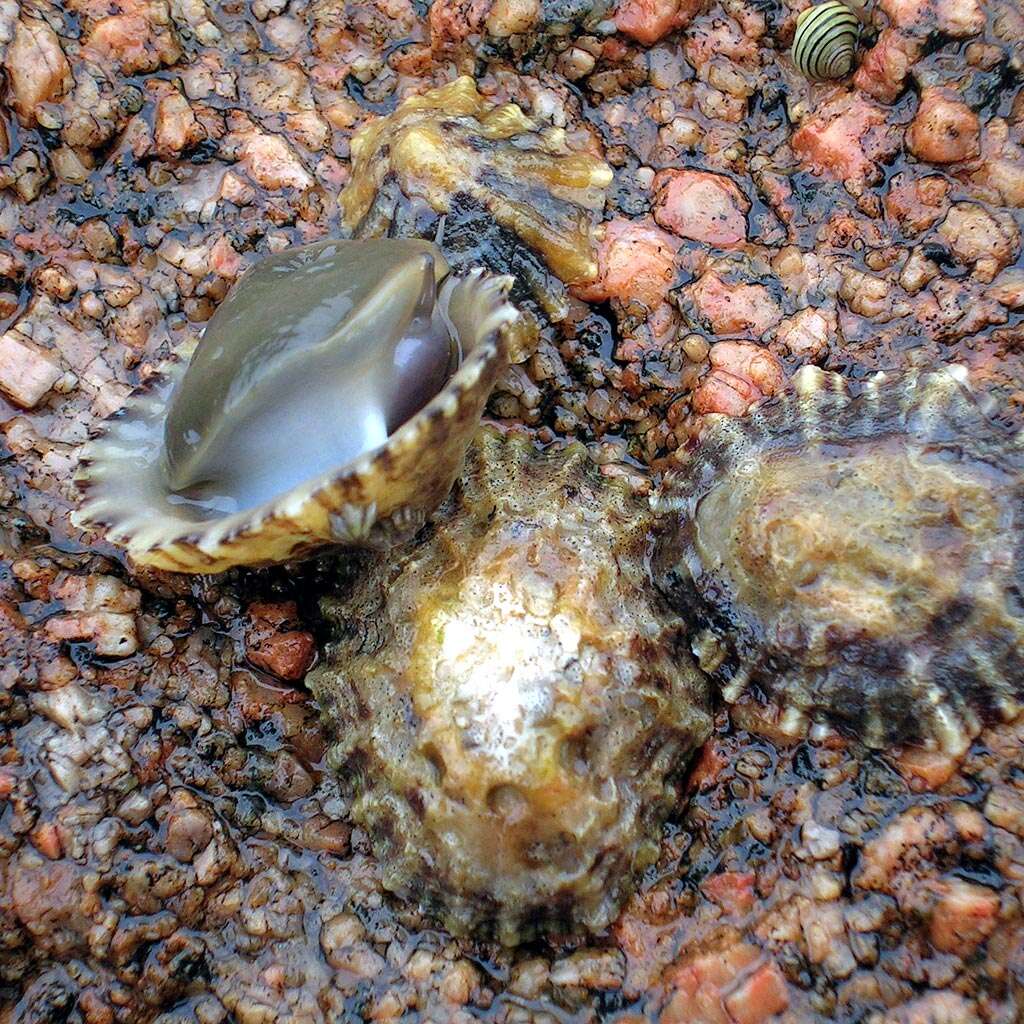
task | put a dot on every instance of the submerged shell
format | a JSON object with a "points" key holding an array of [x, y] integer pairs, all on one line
{"points": [[825, 43], [511, 699], [858, 560], [488, 182], [306, 412]]}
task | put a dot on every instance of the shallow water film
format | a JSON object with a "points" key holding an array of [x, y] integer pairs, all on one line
{"points": [[173, 843]]}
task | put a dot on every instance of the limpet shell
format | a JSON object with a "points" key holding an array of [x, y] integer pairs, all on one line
{"points": [[857, 560], [272, 442], [489, 183], [512, 702], [825, 43]]}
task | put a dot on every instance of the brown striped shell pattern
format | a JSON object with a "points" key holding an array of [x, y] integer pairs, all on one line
{"points": [[825, 42], [857, 559]]}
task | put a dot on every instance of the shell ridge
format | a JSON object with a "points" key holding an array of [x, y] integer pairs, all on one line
{"points": [[811, 546]]}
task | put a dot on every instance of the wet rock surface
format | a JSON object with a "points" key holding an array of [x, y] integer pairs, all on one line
{"points": [[152, 154], [172, 840]]}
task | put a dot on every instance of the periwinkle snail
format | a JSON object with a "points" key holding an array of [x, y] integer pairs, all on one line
{"points": [[825, 43]]}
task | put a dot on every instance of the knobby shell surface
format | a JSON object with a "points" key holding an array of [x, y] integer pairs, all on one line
{"points": [[487, 181], [512, 702], [825, 43], [306, 412], [857, 559]]}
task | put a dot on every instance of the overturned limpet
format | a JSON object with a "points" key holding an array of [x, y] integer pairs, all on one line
{"points": [[511, 700], [330, 401], [857, 560], [491, 184]]}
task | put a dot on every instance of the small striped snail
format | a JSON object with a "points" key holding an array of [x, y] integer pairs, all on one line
{"points": [[825, 42]]}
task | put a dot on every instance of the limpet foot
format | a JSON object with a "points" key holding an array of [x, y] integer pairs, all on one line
{"points": [[857, 559]]}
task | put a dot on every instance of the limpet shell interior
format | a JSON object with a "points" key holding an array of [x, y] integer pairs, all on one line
{"points": [[330, 401]]}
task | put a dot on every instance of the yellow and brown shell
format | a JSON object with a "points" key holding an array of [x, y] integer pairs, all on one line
{"points": [[511, 700], [489, 183], [330, 402], [857, 559]]}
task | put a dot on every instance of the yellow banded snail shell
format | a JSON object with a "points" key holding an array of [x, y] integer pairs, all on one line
{"points": [[825, 42]]}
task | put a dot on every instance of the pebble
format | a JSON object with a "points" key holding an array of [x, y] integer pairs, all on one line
{"points": [[821, 843]]}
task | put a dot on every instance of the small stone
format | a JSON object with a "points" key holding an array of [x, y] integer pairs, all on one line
{"points": [[31, 174], [964, 917], [696, 348], [38, 71], [762, 995], [340, 932], [289, 780], [1004, 807], [189, 827], [274, 645], [135, 808], [529, 978], [820, 843], [576, 63], [459, 982], [98, 239], [68, 166], [27, 372], [55, 282], [113, 634], [591, 968], [92, 305], [46, 839]]}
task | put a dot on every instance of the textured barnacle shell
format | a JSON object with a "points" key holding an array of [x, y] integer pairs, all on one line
{"points": [[825, 43], [510, 698], [857, 559], [330, 402], [509, 194]]}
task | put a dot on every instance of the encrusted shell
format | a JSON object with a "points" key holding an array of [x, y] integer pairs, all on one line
{"points": [[382, 495], [857, 559], [490, 184], [825, 43], [512, 701]]}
